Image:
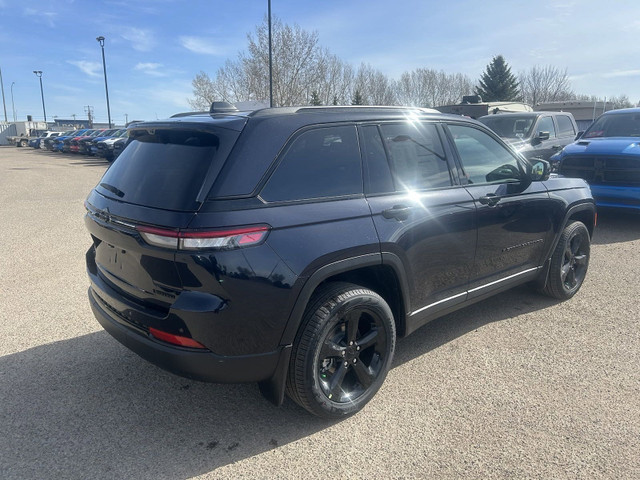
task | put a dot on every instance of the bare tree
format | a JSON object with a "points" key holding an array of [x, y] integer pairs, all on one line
{"points": [[299, 67], [374, 86], [429, 88], [545, 84]]}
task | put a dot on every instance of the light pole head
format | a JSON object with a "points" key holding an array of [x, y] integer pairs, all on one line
{"points": [[38, 73], [100, 40]]}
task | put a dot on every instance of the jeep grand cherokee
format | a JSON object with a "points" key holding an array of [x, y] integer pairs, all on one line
{"points": [[291, 246]]}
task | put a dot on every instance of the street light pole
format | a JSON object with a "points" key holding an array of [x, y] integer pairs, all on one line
{"points": [[39, 75], [3, 103], [270, 62], [100, 40], [13, 105]]}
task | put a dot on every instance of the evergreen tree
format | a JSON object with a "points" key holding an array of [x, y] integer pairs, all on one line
{"points": [[315, 99], [357, 98], [497, 83]]}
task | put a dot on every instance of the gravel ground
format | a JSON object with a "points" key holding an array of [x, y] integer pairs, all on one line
{"points": [[518, 386]]}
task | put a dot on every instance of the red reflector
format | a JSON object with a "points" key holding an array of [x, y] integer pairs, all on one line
{"points": [[175, 339]]}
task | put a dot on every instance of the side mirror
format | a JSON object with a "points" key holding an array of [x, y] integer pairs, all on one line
{"points": [[543, 135], [579, 135], [538, 170]]}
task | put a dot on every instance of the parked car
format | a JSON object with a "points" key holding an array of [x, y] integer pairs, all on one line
{"points": [[118, 146], [49, 142], [103, 146], [292, 246], [607, 156], [58, 143], [534, 134], [78, 144]]}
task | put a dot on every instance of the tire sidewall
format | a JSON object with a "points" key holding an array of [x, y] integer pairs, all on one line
{"points": [[570, 232], [375, 305]]}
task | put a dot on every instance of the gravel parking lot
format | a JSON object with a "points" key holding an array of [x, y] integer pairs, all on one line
{"points": [[518, 386]]}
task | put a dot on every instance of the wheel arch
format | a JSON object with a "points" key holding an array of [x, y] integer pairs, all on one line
{"points": [[583, 212], [382, 273]]}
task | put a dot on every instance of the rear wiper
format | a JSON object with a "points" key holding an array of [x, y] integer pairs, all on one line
{"points": [[112, 189]]}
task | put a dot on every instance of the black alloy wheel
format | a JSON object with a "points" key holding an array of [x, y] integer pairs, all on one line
{"points": [[569, 262], [343, 351]]}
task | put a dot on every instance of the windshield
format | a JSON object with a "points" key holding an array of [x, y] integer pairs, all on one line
{"points": [[615, 125], [510, 126], [167, 168]]}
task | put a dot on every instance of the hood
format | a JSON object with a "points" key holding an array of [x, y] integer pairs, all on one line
{"points": [[604, 146]]}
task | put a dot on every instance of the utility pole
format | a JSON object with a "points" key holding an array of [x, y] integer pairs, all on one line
{"points": [[126, 119], [89, 111]]}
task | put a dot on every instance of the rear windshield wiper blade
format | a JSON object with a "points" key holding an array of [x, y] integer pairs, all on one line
{"points": [[112, 189]]}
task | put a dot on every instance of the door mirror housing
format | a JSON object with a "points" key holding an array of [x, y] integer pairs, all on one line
{"points": [[579, 135], [538, 169], [544, 135]]}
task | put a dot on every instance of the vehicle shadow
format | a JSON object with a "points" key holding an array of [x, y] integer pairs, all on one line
{"points": [[615, 226], [517, 301], [89, 408]]}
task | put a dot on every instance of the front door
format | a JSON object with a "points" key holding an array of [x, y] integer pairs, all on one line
{"points": [[514, 215]]}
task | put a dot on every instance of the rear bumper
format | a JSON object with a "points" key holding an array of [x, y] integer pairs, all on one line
{"points": [[187, 362], [616, 197]]}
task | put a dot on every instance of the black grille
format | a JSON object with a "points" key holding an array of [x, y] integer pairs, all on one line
{"points": [[603, 170]]}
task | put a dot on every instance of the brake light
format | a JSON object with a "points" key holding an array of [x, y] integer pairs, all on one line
{"points": [[175, 339], [203, 240]]}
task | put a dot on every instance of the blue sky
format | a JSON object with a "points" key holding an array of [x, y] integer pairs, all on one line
{"points": [[154, 48]]}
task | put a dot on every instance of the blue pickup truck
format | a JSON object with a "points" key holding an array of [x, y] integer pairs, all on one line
{"points": [[607, 156]]}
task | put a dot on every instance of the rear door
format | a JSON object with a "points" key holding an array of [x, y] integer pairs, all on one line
{"points": [[420, 213]]}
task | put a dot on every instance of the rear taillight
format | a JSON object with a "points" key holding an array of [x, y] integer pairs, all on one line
{"points": [[204, 240], [175, 339]]}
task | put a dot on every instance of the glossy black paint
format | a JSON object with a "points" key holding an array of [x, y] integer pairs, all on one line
{"points": [[433, 250]]}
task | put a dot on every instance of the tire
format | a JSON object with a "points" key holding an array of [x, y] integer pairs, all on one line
{"points": [[24, 143], [569, 262], [342, 352]]}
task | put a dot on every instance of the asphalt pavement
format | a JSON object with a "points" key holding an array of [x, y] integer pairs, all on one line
{"points": [[518, 386]]}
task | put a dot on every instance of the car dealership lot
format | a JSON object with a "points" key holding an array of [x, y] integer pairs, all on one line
{"points": [[518, 386]]}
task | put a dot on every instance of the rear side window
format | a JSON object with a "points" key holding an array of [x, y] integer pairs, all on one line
{"points": [[416, 156], [166, 168], [319, 163], [565, 127]]}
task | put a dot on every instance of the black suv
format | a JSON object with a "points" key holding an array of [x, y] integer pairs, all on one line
{"points": [[291, 246], [534, 134]]}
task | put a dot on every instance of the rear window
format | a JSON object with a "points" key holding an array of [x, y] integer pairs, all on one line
{"points": [[167, 168]]}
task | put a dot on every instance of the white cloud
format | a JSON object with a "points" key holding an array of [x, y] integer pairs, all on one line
{"points": [[622, 73], [205, 46], [90, 68], [141, 39], [152, 69], [41, 16]]}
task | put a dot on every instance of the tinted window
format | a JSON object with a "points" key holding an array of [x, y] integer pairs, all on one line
{"points": [[165, 168], [545, 124], [510, 126], [323, 162], [484, 160], [565, 127], [377, 167], [416, 156]]}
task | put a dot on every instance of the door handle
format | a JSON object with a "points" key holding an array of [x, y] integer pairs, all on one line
{"points": [[399, 212], [556, 147], [489, 199]]}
